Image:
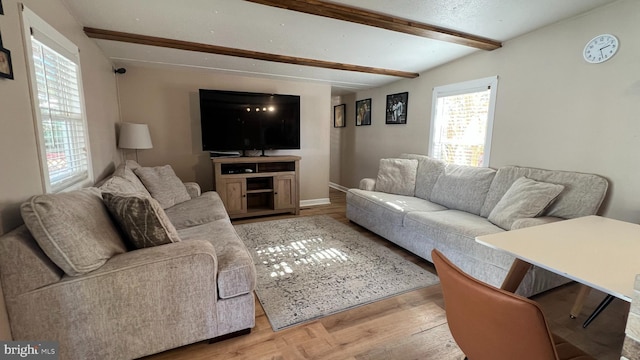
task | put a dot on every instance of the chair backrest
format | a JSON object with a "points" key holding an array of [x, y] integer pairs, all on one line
{"points": [[489, 323]]}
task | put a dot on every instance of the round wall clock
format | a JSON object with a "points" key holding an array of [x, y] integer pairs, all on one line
{"points": [[600, 49]]}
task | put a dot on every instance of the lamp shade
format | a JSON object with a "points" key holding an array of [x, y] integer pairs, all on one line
{"points": [[134, 136]]}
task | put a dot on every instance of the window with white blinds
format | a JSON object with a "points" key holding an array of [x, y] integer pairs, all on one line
{"points": [[58, 105], [462, 122]]}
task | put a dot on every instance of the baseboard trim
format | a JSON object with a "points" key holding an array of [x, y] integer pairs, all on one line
{"points": [[315, 202], [338, 187], [322, 201]]}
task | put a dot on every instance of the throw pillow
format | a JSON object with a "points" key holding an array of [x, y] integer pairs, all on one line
{"points": [[429, 169], [125, 171], [142, 219], [74, 229], [397, 176], [525, 198], [163, 185], [462, 187], [121, 185]]}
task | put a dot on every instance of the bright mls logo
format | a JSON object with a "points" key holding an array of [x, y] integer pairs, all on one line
{"points": [[45, 350]]}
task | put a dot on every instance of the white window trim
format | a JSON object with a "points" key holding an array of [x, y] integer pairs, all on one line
{"points": [[462, 88], [67, 48]]}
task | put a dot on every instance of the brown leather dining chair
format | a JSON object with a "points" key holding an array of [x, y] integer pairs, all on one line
{"points": [[488, 323]]}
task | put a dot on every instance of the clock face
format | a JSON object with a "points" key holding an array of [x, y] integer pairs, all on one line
{"points": [[600, 49]]}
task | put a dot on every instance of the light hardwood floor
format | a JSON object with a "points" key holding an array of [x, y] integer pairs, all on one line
{"points": [[408, 326]]}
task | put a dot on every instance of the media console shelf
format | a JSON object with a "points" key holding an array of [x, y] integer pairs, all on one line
{"points": [[256, 186]]}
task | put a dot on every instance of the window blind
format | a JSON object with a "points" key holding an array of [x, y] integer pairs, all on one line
{"points": [[462, 121], [461, 128], [61, 120]]}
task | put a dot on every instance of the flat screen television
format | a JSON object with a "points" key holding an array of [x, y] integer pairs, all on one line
{"points": [[240, 121]]}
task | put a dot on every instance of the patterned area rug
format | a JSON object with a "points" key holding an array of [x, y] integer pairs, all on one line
{"points": [[310, 267]]}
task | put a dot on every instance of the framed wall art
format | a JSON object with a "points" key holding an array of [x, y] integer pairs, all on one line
{"points": [[363, 112], [339, 115], [6, 69], [397, 108]]}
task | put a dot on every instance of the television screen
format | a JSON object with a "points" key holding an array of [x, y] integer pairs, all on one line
{"points": [[233, 121]]}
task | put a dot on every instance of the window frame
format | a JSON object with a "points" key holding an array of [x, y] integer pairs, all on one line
{"points": [[461, 88], [53, 39]]}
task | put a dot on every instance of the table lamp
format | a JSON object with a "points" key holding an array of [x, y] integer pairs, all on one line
{"points": [[134, 136]]}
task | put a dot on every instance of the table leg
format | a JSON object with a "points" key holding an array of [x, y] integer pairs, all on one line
{"points": [[603, 305], [577, 305], [517, 272]]}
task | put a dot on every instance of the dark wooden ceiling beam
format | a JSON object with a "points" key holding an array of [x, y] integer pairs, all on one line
{"points": [[369, 18], [221, 50]]}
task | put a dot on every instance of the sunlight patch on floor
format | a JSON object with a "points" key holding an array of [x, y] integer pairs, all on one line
{"points": [[307, 252]]}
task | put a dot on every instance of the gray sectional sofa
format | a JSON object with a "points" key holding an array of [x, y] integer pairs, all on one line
{"points": [[70, 276], [421, 204]]}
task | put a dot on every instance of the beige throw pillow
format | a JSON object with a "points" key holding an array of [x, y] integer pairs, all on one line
{"points": [[462, 187], [121, 185], [397, 176], [163, 184], [142, 219], [125, 171], [525, 198], [74, 229]]}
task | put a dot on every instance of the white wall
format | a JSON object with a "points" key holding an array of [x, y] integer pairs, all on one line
{"points": [[20, 169], [342, 139], [167, 99], [553, 109]]}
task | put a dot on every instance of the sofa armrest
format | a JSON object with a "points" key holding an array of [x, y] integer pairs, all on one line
{"points": [[138, 303], [528, 222], [193, 189], [368, 184]]}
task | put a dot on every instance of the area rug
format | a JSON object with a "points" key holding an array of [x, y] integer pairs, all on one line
{"points": [[310, 267]]}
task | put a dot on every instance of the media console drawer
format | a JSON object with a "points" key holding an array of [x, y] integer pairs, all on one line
{"points": [[257, 186]]}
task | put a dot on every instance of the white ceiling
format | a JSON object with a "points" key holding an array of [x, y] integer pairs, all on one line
{"points": [[249, 26]]}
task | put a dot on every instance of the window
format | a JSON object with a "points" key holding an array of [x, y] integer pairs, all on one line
{"points": [[462, 120], [56, 93]]}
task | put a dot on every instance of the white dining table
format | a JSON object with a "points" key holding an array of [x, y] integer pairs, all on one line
{"points": [[599, 252]]}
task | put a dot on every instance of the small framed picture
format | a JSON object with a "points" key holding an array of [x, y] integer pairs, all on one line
{"points": [[6, 69], [363, 112], [397, 108], [338, 115]]}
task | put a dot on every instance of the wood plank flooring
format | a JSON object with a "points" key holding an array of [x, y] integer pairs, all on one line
{"points": [[408, 326]]}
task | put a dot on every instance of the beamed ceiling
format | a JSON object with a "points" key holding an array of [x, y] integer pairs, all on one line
{"points": [[349, 44]]}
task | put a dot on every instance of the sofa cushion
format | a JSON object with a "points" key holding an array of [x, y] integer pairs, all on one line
{"points": [[582, 194], [397, 176], [132, 164], [205, 208], [74, 229], [236, 272], [163, 184], [142, 219], [121, 185], [389, 208], [529, 222], [125, 170], [455, 229], [526, 198], [462, 187], [427, 174]]}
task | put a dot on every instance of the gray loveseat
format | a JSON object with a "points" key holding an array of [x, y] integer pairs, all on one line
{"points": [[82, 285], [449, 205]]}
